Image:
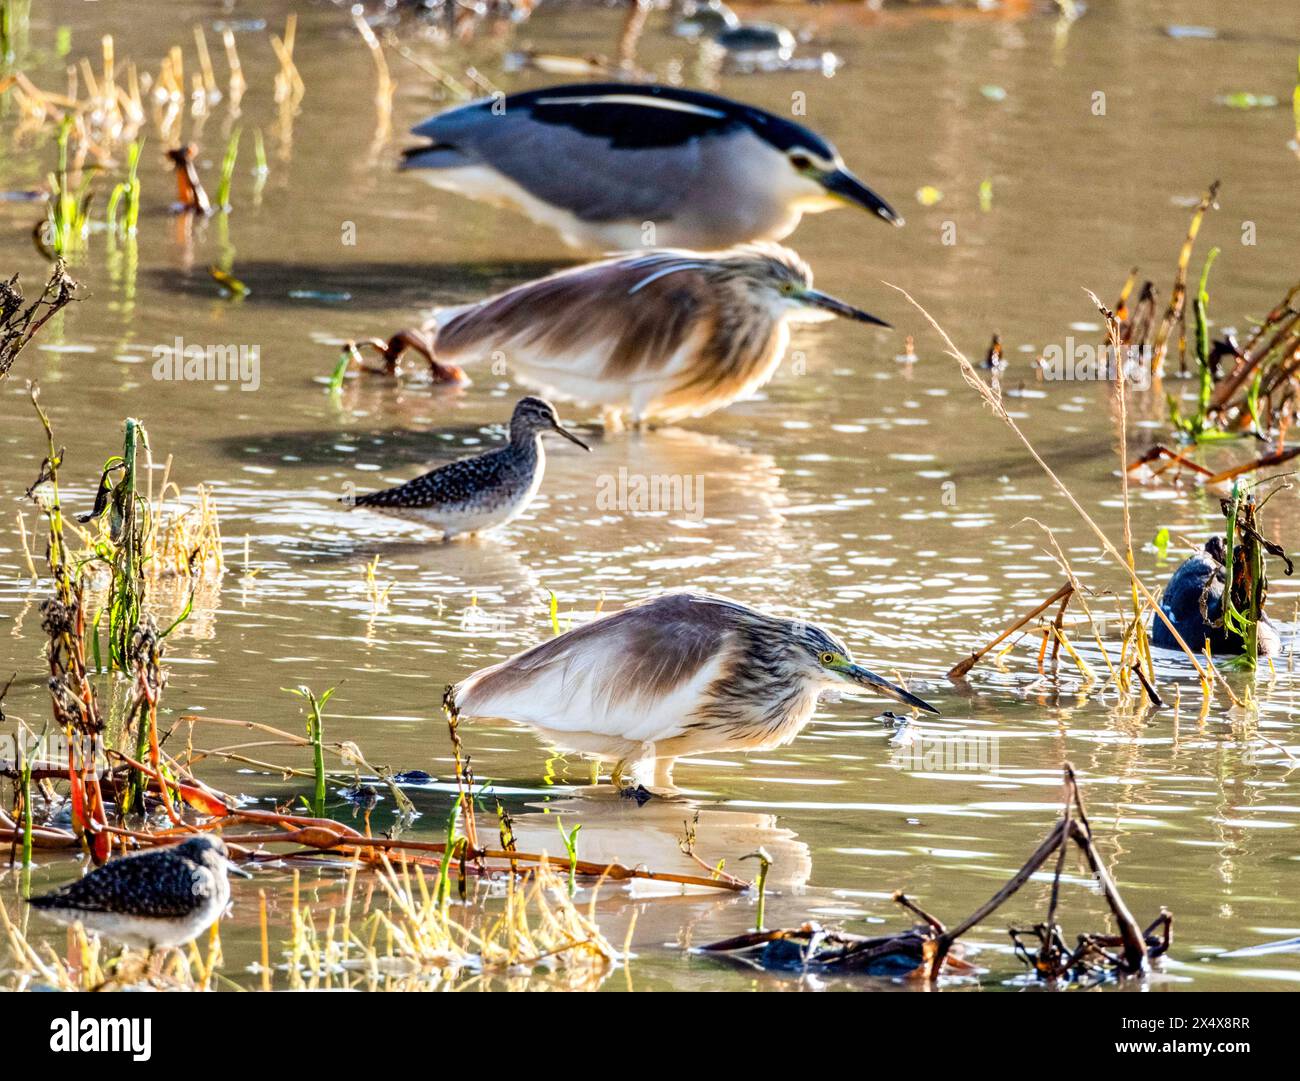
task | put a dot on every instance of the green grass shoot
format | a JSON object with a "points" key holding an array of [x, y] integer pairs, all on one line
{"points": [[316, 735], [570, 839], [228, 170], [760, 884]]}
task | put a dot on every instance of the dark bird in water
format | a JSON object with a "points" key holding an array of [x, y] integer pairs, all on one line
{"points": [[1193, 601], [160, 898], [478, 493], [606, 163]]}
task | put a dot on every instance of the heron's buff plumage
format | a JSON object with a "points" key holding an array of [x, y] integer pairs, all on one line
{"points": [[639, 656], [647, 310], [656, 656]]}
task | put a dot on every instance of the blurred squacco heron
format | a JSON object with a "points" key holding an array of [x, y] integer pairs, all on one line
{"points": [[655, 336], [682, 674]]}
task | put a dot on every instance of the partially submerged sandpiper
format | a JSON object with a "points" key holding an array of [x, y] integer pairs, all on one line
{"points": [[156, 899], [475, 494]]}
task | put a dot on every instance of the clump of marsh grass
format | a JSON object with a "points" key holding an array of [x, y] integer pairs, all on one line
{"points": [[413, 939], [67, 220], [89, 964]]}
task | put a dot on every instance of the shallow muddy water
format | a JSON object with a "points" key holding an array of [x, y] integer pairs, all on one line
{"points": [[876, 497]]}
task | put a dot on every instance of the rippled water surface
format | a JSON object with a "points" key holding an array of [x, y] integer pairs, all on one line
{"points": [[876, 497]]}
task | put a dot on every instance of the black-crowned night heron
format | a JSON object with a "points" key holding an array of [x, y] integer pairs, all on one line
{"points": [[479, 493], [682, 674], [616, 166], [654, 336], [155, 899]]}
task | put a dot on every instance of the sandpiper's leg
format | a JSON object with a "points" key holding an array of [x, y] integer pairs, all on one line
{"points": [[399, 343]]}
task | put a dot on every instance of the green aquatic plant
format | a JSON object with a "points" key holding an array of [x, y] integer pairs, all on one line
{"points": [[1161, 543], [316, 736], [15, 21], [121, 549], [442, 890], [570, 839], [1246, 584], [126, 195], [68, 210], [1199, 428], [760, 884], [228, 170]]}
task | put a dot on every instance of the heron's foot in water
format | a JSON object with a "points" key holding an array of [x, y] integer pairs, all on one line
{"points": [[391, 351]]}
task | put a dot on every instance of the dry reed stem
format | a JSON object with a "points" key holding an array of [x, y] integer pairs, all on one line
{"points": [[994, 402]]}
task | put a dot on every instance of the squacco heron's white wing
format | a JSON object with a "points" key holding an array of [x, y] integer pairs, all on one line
{"points": [[637, 675]]}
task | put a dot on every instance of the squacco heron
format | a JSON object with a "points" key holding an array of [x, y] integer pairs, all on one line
{"points": [[682, 674], [653, 336]]}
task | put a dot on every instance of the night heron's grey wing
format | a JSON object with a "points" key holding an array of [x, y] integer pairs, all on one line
{"points": [[604, 157], [619, 318], [636, 675]]}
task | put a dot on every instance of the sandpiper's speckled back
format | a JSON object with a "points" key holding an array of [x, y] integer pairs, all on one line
{"points": [[479, 492], [162, 883]]}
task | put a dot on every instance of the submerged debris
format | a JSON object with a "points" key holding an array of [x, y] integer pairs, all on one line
{"points": [[814, 948], [925, 951], [20, 321]]}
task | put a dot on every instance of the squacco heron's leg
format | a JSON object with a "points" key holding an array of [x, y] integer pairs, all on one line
{"points": [[392, 350], [637, 764], [616, 777]]}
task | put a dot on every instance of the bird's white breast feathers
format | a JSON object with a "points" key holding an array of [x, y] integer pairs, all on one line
{"points": [[578, 697]]}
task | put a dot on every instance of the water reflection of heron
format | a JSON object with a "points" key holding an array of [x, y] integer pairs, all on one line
{"points": [[617, 831]]}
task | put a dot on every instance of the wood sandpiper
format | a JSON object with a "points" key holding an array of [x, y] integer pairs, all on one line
{"points": [[479, 493]]}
